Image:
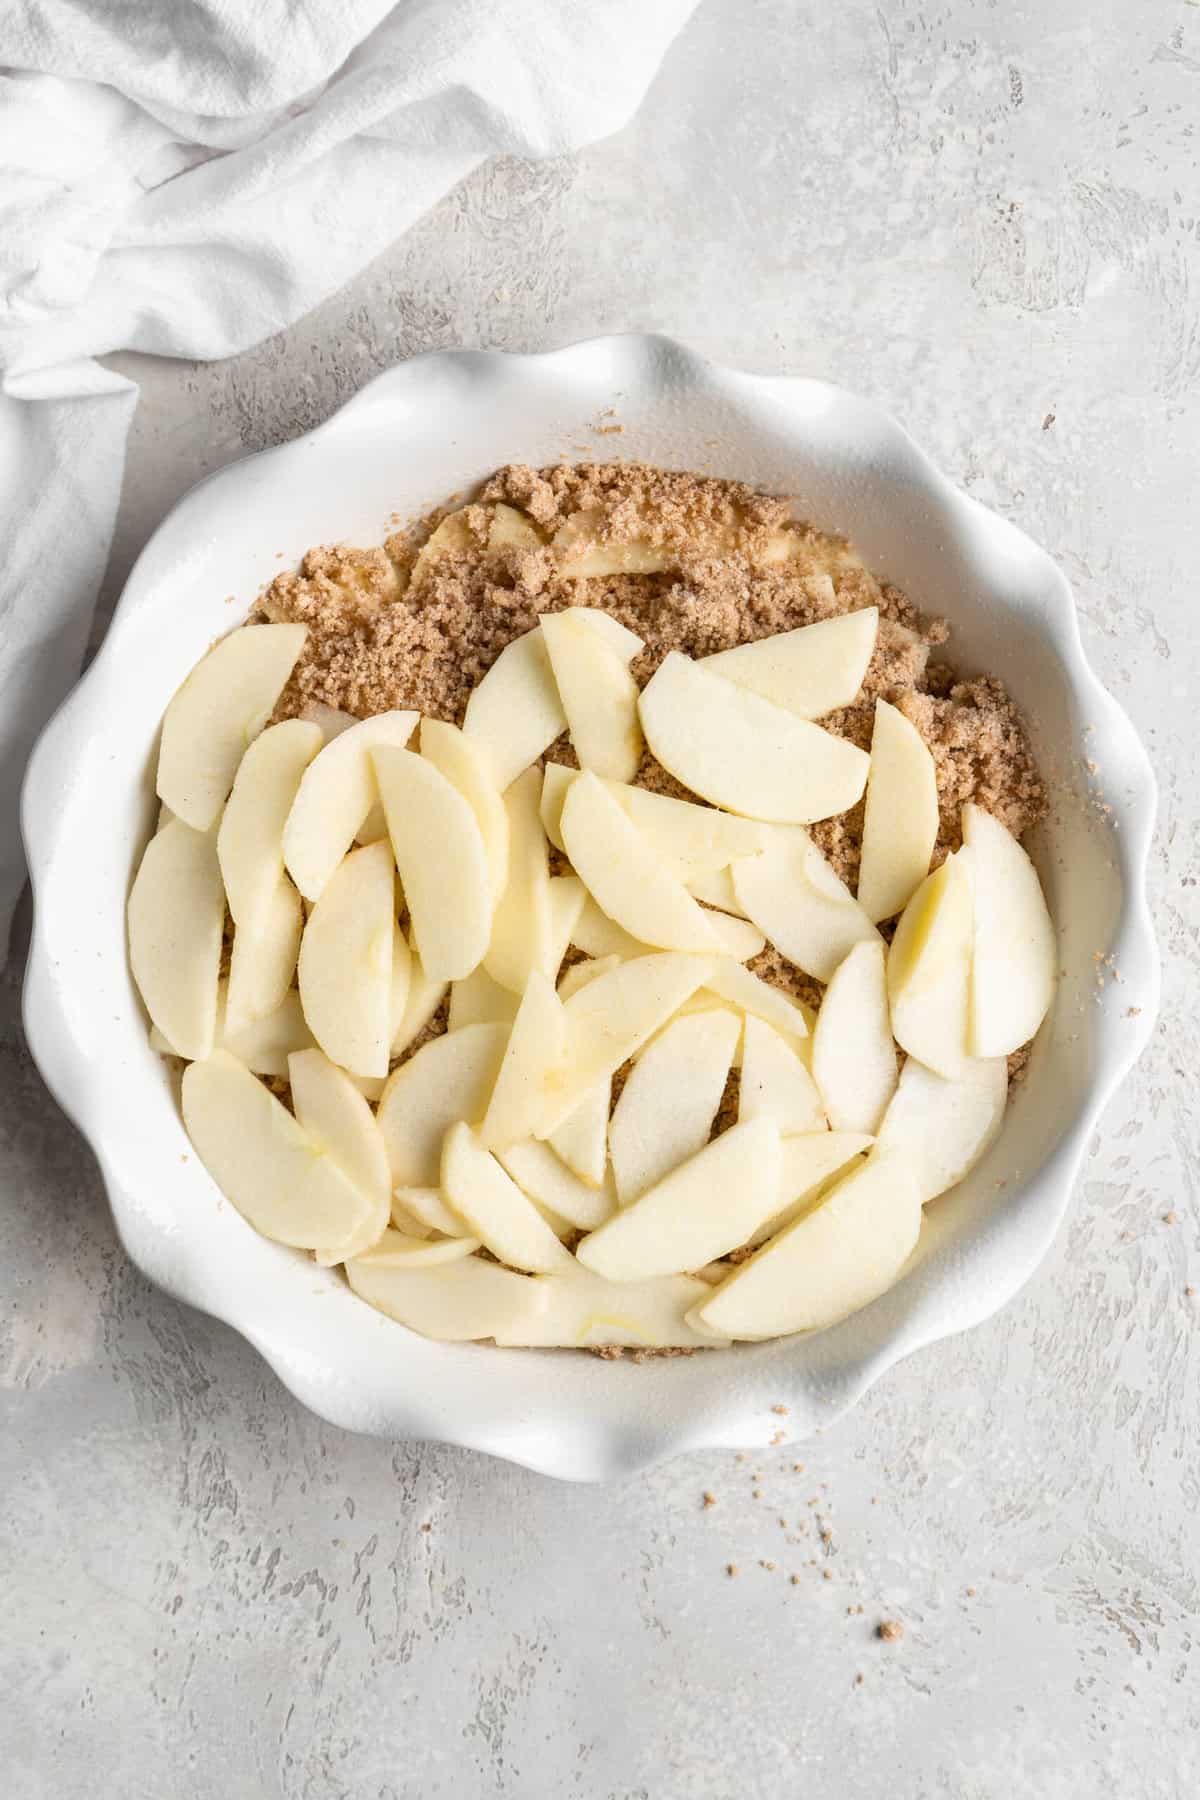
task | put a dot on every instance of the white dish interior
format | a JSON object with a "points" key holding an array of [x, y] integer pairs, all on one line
{"points": [[429, 428]]}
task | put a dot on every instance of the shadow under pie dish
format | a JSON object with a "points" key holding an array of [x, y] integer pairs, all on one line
{"points": [[697, 603]]}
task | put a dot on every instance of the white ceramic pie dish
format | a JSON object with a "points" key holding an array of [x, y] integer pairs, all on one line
{"points": [[422, 431]]}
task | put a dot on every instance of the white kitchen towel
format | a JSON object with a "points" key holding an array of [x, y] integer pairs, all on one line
{"points": [[186, 177]]}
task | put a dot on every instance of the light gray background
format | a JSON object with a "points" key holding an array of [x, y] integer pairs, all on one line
{"points": [[985, 216]]}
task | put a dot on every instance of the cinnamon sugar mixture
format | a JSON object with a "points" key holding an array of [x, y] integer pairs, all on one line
{"points": [[392, 629]]}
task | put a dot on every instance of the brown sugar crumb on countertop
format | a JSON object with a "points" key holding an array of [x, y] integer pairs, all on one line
{"points": [[708, 1499], [890, 1630]]}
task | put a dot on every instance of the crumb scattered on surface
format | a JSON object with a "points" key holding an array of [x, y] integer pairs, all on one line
{"points": [[890, 1630], [781, 1410], [731, 1568], [708, 1499], [1171, 1217]]}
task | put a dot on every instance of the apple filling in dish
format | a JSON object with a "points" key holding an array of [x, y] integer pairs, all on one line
{"points": [[597, 918]]}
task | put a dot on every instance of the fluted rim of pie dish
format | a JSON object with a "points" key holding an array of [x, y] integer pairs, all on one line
{"points": [[611, 1417]]}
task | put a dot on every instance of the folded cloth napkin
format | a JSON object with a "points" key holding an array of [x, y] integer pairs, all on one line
{"points": [[186, 177]]}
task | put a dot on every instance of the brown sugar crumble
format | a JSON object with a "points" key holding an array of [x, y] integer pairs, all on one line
{"points": [[890, 1630]]}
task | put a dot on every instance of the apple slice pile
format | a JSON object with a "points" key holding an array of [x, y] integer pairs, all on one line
{"points": [[497, 1182]]}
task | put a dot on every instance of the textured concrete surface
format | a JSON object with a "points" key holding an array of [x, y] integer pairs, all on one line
{"points": [[987, 217]]}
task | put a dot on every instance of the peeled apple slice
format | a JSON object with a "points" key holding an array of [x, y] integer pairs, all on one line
{"points": [[345, 965], [457, 1302], [396, 1250], [813, 670], [402, 962], [715, 887], [752, 995], [581, 1141], [611, 1018], [670, 1099], [465, 765], [945, 1126], [219, 710], [696, 838], [500, 527], [707, 1206], [532, 1057], [853, 1056], [495, 1209], [1015, 959], [442, 860], [264, 1162], [337, 791], [539, 1173], [523, 934], [425, 1207], [598, 694], [263, 959], [623, 875], [422, 999], [449, 1078], [581, 553], [568, 897], [176, 916], [265, 1044], [743, 752], [900, 821], [791, 893], [775, 1083], [515, 712], [584, 1311], [339, 1123], [929, 969], [556, 779], [478, 1000], [580, 973], [808, 1162], [250, 838], [833, 1260]]}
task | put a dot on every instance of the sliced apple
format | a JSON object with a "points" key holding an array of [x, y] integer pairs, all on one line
{"points": [[345, 965], [425, 1206], [477, 1000], [492, 527], [598, 694], [581, 1141], [693, 838], [775, 1083], [532, 1059], [627, 880], [176, 916], [331, 721], [670, 1099], [583, 1311], [831, 1261], [449, 1078], [581, 973], [337, 791], [853, 1056], [568, 896], [422, 998], [263, 959], [402, 962], [808, 1163], [791, 893], [597, 935], [582, 553], [945, 1126], [1015, 961], [339, 1123], [466, 766], [743, 752], [455, 1303], [523, 934], [265, 1044], [705, 1207], [556, 779], [813, 670], [611, 1018], [539, 1173], [397, 1250], [264, 1162], [515, 712], [929, 969], [626, 643], [504, 1219], [250, 837], [756, 997], [443, 864], [217, 713], [900, 823], [715, 887]]}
